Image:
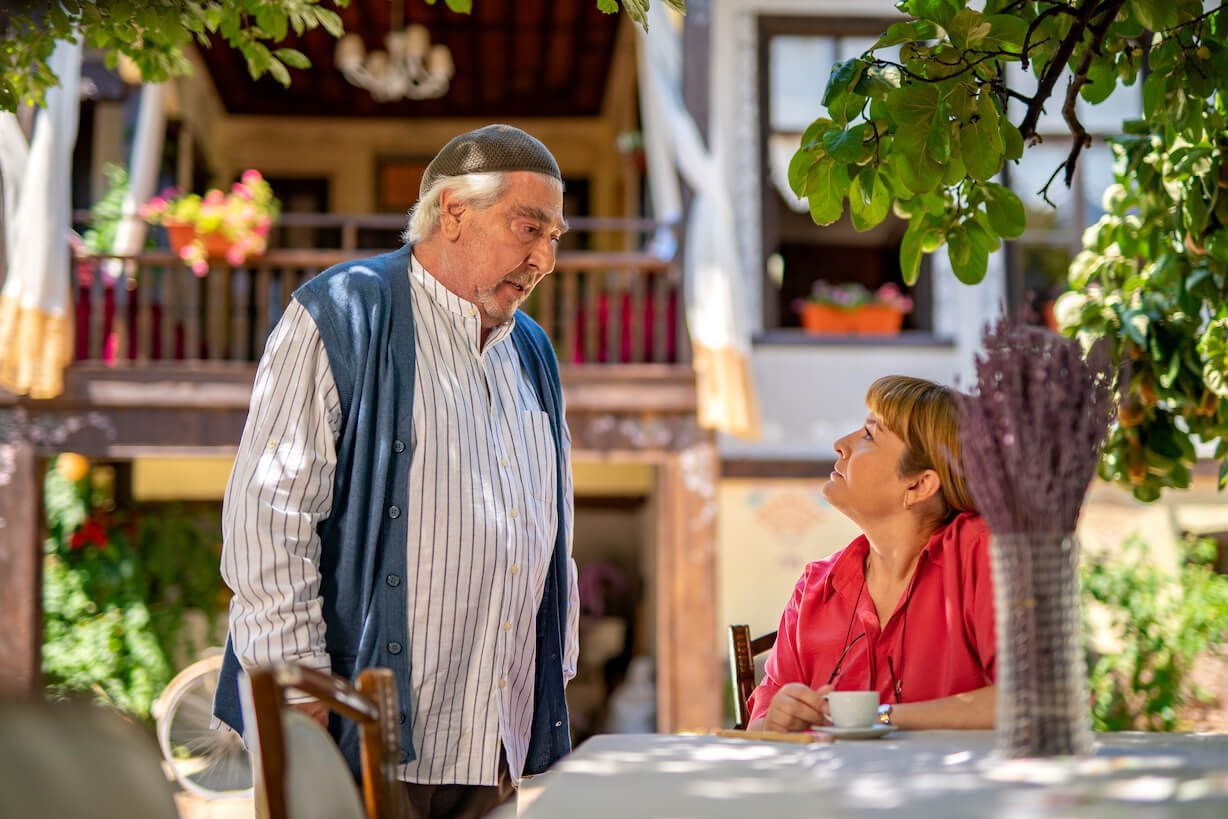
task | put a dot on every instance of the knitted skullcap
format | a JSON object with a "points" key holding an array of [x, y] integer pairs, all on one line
{"points": [[490, 149]]}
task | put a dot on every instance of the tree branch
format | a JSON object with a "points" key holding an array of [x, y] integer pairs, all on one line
{"points": [[1057, 64], [1027, 38], [1069, 113], [1198, 19]]}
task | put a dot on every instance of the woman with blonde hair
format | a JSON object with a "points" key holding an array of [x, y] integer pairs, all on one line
{"points": [[906, 608]]}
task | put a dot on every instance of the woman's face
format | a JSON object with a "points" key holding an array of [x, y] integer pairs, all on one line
{"points": [[866, 483]]}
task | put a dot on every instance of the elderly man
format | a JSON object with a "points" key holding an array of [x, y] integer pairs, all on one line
{"points": [[402, 494]]}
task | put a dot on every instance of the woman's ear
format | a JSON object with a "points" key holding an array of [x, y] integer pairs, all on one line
{"points": [[922, 487]]}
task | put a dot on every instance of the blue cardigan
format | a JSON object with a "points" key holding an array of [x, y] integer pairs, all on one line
{"points": [[364, 314]]}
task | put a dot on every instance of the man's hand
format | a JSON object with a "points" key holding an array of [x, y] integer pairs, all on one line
{"points": [[315, 709], [796, 707]]}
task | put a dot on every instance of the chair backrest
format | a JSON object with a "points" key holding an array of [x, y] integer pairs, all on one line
{"points": [[742, 653], [298, 771], [78, 759]]}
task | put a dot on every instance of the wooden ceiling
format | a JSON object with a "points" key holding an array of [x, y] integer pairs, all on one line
{"points": [[514, 58]]}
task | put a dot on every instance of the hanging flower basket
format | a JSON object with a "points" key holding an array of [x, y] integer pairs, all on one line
{"points": [[229, 227], [182, 235]]}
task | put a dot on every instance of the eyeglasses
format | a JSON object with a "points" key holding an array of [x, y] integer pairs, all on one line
{"points": [[835, 672]]}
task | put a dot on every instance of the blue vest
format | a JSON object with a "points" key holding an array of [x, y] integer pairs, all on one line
{"points": [[364, 314]]}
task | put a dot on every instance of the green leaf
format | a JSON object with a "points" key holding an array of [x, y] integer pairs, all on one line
{"points": [[279, 72], [292, 58], [826, 186], [799, 168], [938, 140], [607, 6], [1012, 140], [869, 200], [1005, 210], [906, 32], [968, 252], [913, 105], [847, 146], [912, 163], [910, 252], [331, 21], [1101, 80], [940, 11], [1155, 93], [878, 81], [967, 29], [1008, 29], [460, 6], [1155, 15], [844, 75], [981, 143]]}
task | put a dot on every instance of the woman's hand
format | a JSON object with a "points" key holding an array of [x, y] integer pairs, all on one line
{"points": [[796, 707]]}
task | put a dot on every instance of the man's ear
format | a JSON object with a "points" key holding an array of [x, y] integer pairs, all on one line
{"points": [[922, 487], [451, 210]]}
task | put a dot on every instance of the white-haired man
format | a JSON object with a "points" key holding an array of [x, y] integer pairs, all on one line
{"points": [[402, 494]]}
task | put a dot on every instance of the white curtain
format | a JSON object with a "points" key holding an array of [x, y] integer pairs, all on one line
{"points": [[36, 304], [720, 331], [142, 173]]}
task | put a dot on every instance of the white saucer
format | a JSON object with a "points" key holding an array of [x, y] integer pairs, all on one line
{"points": [[867, 732]]}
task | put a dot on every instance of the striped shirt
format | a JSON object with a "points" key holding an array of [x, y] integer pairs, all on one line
{"points": [[484, 519]]}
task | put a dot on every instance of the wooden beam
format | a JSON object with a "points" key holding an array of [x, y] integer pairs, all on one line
{"points": [[21, 563], [687, 655]]}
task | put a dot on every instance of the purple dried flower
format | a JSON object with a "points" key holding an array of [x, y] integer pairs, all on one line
{"points": [[1031, 433]]}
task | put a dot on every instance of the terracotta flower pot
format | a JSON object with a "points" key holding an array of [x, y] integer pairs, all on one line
{"points": [[823, 319], [181, 235], [877, 320], [873, 319]]}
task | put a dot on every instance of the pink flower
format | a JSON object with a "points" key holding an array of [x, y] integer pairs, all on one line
{"points": [[236, 254], [251, 176]]}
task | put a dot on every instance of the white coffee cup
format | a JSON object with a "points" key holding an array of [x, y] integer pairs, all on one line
{"points": [[853, 709]]}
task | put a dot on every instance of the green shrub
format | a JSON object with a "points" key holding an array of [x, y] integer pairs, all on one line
{"points": [[116, 588], [1163, 622]]}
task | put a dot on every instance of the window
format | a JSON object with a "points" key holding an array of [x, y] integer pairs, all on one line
{"points": [[795, 58]]}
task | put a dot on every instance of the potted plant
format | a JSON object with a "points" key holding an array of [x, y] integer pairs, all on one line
{"points": [[233, 225], [852, 308]]}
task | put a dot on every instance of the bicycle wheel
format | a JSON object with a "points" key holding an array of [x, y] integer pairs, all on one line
{"points": [[209, 762]]}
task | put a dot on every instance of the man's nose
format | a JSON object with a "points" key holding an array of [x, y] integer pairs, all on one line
{"points": [[543, 255]]}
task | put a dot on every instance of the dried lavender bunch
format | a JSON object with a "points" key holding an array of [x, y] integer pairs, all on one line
{"points": [[1031, 432]]}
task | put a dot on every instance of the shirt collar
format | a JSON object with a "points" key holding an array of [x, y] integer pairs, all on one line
{"points": [[465, 311]]}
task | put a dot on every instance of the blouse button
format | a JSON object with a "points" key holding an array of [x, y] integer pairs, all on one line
{"points": [[394, 647], [398, 446], [394, 512]]}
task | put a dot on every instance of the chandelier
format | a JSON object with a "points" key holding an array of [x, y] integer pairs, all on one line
{"points": [[409, 66]]}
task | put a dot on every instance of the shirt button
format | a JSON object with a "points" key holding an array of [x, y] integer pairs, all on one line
{"points": [[394, 512], [515, 568], [507, 626], [394, 647], [512, 514], [398, 447], [272, 445], [502, 682], [393, 580], [503, 462]]}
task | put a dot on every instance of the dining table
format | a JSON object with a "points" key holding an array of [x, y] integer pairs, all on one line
{"points": [[905, 773]]}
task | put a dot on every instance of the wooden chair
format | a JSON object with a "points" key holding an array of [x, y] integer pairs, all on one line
{"points": [[297, 769], [742, 653]]}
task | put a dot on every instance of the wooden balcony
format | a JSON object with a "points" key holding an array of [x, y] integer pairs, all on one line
{"points": [[168, 357]]}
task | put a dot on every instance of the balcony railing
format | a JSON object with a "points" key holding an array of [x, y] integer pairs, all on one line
{"points": [[599, 308]]}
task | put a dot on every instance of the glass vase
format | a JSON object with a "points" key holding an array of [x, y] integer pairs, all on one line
{"points": [[1043, 708]]}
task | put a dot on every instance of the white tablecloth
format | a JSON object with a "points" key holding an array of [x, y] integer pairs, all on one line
{"points": [[918, 774]]}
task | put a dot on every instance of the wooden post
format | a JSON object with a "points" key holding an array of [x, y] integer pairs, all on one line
{"points": [[21, 563], [690, 678]]}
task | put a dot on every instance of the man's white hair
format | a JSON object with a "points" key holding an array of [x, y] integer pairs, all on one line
{"points": [[477, 190]]}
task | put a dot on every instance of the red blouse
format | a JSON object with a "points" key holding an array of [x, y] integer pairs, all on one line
{"points": [[939, 640]]}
